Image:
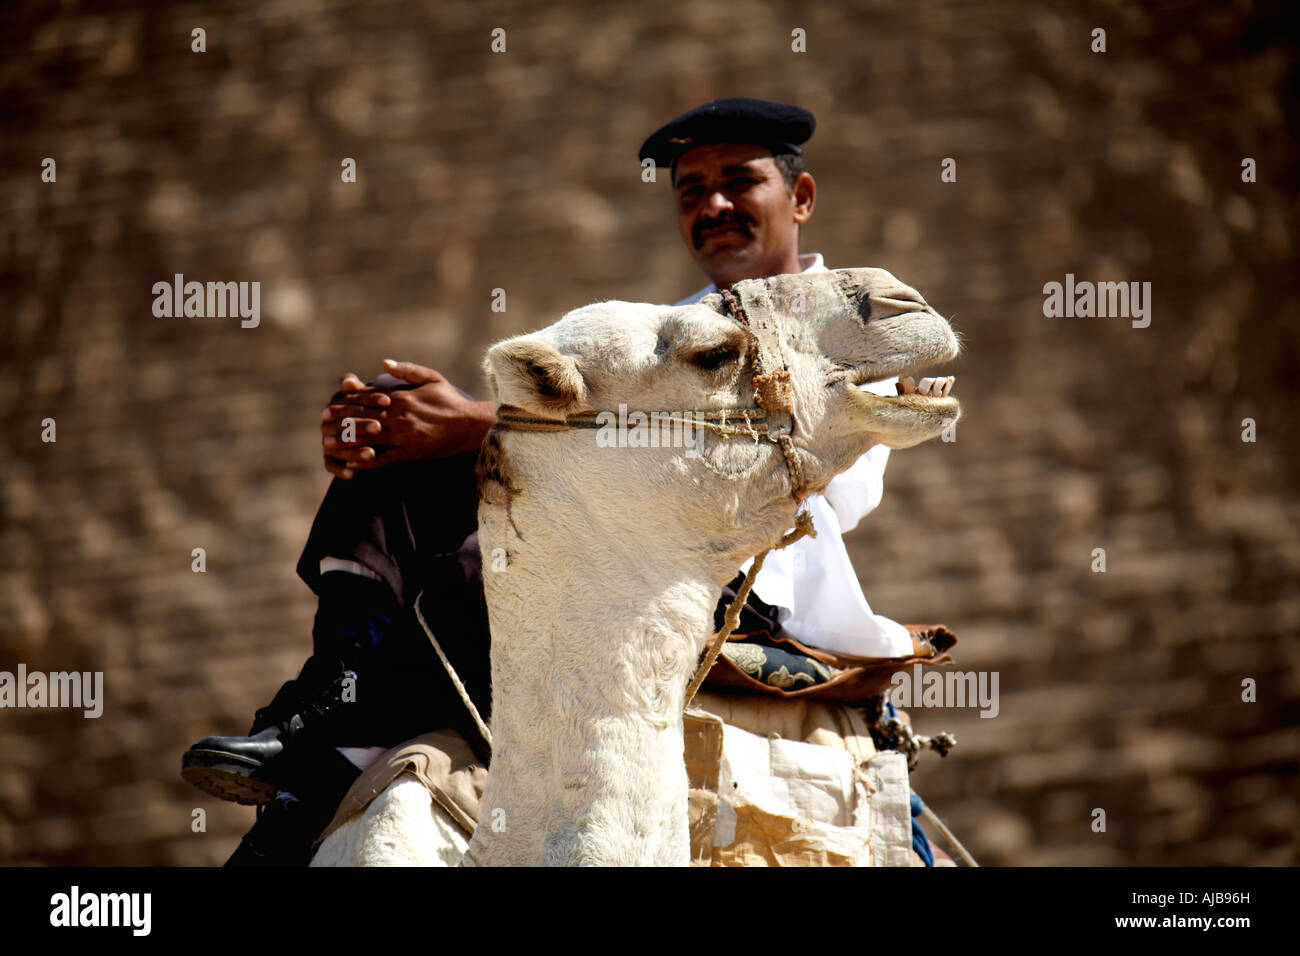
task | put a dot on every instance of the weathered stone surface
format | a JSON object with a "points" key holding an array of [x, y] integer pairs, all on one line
{"points": [[479, 171]]}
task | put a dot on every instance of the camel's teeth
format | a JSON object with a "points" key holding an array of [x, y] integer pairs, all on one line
{"points": [[928, 387]]}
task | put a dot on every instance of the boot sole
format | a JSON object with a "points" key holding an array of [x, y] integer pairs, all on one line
{"points": [[226, 777]]}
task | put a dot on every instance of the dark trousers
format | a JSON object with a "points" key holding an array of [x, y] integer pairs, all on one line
{"points": [[415, 525]]}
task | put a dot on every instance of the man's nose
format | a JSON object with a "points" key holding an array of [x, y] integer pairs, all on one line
{"points": [[717, 202]]}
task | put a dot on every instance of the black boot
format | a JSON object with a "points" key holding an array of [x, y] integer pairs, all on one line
{"points": [[282, 835], [253, 769], [290, 824], [353, 617]]}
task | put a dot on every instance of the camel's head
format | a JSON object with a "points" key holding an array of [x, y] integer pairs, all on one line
{"points": [[721, 488]]}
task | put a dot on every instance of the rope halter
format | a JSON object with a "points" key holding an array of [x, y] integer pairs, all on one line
{"points": [[771, 416]]}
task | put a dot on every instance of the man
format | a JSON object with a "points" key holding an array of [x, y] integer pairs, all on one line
{"points": [[742, 193], [399, 520]]}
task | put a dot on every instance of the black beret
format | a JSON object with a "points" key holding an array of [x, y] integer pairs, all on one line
{"points": [[777, 126]]}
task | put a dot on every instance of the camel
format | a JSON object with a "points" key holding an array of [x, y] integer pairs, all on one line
{"points": [[609, 556]]}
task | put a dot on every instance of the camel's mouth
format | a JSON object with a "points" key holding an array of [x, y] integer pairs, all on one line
{"points": [[911, 384]]}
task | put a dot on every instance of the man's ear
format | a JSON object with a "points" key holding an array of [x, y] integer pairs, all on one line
{"points": [[804, 190], [532, 375]]}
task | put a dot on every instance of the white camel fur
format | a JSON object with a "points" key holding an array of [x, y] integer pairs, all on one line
{"points": [[614, 557]]}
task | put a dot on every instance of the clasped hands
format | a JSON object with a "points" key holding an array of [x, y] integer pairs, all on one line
{"points": [[424, 416]]}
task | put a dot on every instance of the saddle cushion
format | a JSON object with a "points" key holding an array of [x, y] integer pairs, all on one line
{"points": [[443, 761]]}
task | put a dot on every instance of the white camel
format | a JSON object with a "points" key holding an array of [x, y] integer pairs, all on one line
{"points": [[609, 555]]}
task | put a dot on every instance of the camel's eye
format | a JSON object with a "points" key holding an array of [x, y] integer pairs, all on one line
{"points": [[713, 359]]}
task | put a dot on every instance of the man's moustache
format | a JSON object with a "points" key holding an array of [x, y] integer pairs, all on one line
{"points": [[701, 228]]}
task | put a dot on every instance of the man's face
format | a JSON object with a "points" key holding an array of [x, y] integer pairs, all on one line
{"points": [[735, 213]]}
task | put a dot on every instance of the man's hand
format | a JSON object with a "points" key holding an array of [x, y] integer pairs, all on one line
{"points": [[389, 425]]}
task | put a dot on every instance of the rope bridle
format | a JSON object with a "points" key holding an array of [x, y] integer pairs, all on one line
{"points": [[774, 395], [749, 421]]}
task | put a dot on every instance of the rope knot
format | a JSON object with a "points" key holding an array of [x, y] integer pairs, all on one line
{"points": [[775, 392], [803, 527]]}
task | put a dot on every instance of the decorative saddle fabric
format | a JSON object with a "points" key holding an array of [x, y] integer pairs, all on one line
{"points": [[759, 662], [761, 658], [776, 666]]}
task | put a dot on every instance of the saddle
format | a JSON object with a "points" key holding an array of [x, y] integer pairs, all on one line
{"points": [[757, 662], [782, 769]]}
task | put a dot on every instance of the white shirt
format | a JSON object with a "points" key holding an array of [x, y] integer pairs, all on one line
{"points": [[812, 581]]}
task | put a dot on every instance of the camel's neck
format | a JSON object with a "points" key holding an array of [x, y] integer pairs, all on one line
{"points": [[594, 639]]}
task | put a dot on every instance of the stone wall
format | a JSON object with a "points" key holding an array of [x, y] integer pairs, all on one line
{"points": [[517, 170]]}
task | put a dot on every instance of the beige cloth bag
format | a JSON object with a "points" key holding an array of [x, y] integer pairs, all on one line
{"points": [[792, 783]]}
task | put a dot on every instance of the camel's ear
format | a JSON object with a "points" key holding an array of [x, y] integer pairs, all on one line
{"points": [[530, 374]]}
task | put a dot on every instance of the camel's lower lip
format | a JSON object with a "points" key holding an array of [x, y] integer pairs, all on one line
{"points": [[931, 404], [914, 397]]}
